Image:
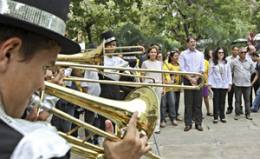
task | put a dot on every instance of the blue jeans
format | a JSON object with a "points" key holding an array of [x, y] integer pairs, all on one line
{"points": [[168, 103], [256, 102]]}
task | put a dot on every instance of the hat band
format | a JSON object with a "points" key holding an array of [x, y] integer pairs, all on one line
{"points": [[32, 15], [110, 39]]}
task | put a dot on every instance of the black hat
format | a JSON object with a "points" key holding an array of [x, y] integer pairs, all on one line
{"points": [[108, 36], [44, 17]]}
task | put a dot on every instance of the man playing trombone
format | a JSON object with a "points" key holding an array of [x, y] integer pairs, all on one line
{"points": [[31, 36]]}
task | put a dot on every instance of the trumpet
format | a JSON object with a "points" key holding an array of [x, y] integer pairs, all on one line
{"points": [[133, 84], [143, 100]]}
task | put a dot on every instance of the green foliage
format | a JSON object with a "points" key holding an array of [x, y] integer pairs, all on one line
{"points": [[168, 22]]}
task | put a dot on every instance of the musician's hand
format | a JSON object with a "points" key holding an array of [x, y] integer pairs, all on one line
{"points": [[58, 77], [33, 115], [193, 81], [132, 146], [229, 88]]}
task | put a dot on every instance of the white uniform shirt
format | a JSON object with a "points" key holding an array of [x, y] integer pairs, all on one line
{"points": [[67, 72], [114, 61], [40, 139], [156, 65], [93, 88]]}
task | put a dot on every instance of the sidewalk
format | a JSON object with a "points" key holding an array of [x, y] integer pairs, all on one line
{"points": [[232, 140]]}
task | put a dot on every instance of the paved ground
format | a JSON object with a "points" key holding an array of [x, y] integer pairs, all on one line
{"points": [[232, 140]]}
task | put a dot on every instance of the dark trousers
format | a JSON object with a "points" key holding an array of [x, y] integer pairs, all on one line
{"points": [[245, 91], [193, 105], [219, 98], [230, 98], [93, 119], [177, 102], [111, 92], [61, 124], [76, 115], [255, 87]]}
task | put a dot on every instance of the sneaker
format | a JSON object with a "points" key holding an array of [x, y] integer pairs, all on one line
{"points": [[179, 118], [187, 127], [199, 127], [174, 123], [249, 117], [157, 132], [209, 114], [236, 117], [215, 121], [163, 124], [223, 120], [229, 111]]}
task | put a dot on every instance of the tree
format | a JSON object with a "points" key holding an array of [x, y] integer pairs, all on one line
{"points": [[219, 21]]}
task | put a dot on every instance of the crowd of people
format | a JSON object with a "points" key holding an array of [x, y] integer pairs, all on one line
{"points": [[234, 75], [28, 47]]}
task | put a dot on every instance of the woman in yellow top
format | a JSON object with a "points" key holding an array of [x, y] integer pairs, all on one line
{"points": [[205, 91], [168, 99], [177, 79]]}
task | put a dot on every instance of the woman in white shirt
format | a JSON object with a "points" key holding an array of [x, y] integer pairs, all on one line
{"points": [[220, 81], [153, 63]]}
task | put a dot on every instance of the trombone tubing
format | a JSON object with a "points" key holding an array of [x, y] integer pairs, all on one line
{"points": [[121, 74], [130, 84], [125, 53], [84, 66]]}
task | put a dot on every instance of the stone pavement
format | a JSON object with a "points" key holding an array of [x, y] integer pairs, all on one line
{"points": [[232, 140]]}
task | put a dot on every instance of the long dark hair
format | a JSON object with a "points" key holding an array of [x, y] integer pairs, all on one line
{"points": [[206, 54], [215, 55], [171, 56]]}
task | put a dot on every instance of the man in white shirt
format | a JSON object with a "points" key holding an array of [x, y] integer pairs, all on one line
{"points": [[242, 68], [230, 58], [192, 60], [95, 90]]}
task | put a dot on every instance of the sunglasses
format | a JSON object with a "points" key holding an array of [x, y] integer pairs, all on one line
{"points": [[244, 52]]}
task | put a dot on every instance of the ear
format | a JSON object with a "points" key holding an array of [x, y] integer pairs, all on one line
{"points": [[9, 50]]}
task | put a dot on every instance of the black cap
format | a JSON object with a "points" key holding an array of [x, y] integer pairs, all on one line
{"points": [[44, 17], [108, 36]]}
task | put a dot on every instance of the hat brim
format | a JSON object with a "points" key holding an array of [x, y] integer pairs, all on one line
{"points": [[68, 46], [110, 40]]}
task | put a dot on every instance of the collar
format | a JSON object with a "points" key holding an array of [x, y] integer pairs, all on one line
{"points": [[40, 140], [244, 60], [192, 51]]}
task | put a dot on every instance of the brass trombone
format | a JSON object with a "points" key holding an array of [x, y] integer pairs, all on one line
{"points": [[133, 84], [95, 56], [143, 100]]}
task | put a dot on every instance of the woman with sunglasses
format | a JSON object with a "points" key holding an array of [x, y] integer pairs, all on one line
{"points": [[220, 81]]}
